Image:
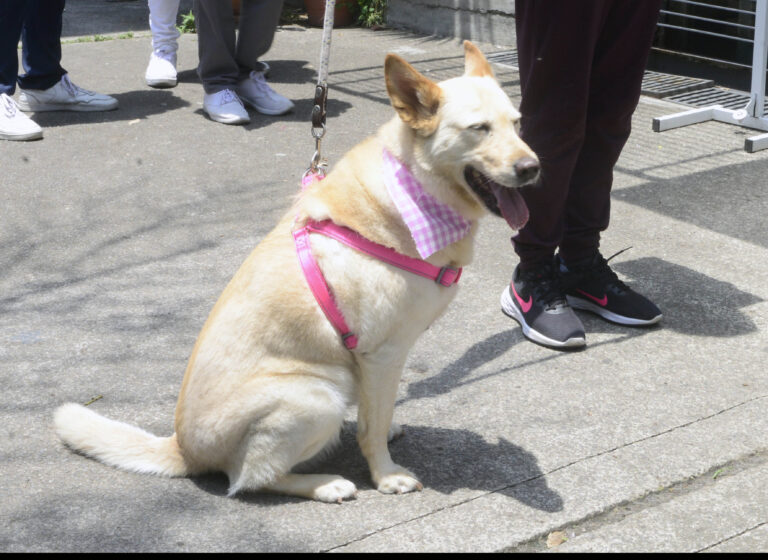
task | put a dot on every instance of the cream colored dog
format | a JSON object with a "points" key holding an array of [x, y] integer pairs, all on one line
{"points": [[269, 380]]}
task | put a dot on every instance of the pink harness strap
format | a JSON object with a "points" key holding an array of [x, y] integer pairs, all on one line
{"points": [[445, 276]]}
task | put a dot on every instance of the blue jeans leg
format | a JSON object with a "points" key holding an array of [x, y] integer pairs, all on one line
{"points": [[41, 44], [11, 22]]}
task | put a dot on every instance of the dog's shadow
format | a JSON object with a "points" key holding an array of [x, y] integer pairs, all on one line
{"points": [[444, 460]]}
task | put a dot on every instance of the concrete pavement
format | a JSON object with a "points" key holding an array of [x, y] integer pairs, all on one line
{"points": [[119, 231]]}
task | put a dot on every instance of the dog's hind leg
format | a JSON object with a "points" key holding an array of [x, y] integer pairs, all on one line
{"points": [[377, 392], [304, 419]]}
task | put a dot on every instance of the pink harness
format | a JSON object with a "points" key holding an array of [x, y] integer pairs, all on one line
{"points": [[445, 276]]}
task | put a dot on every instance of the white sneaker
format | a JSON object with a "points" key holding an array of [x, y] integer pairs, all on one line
{"points": [[225, 107], [255, 91], [161, 70], [65, 96], [15, 125]]}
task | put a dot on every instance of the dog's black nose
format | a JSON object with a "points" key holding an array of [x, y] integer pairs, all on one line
{"points": [[526, 169]]}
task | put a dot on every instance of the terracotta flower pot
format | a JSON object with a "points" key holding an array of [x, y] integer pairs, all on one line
{"points": [[342, 15]]}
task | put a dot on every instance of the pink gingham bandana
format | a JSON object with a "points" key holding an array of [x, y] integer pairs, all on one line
{"points": [[433, 225]]}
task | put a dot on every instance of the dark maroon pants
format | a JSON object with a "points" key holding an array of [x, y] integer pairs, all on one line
{"points": [[581, 69]]}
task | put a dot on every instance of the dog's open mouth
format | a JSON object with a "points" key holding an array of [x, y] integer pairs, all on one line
{"points": [[502, 201]]}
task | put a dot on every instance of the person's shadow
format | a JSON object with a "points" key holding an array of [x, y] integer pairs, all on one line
{"points": [[143, 103], [133, 105]]}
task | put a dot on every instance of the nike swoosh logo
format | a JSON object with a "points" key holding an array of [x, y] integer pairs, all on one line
{"points": [[602, 302], [525, 305]]}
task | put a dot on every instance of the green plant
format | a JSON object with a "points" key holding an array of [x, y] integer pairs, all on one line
{"points": [[187, 23], [371, 12], [290, 15], [96, 38]]}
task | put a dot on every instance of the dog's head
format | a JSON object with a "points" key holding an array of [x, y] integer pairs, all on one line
{"points": [[466, 128]]}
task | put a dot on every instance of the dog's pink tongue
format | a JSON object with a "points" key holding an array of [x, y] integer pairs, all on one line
{"points": [[512, 206]]}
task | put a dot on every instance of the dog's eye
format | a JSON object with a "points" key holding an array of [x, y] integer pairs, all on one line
{"points": [[483, 127]]}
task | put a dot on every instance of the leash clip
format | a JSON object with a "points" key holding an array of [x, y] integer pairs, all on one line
{"points": [[317, 165], [315, 172]]}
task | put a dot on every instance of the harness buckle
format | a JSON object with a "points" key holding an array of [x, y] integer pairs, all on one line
{"points": [[349, 340], [449, 281]]}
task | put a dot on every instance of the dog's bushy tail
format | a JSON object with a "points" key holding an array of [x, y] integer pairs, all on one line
{"points": [[118, 444]]}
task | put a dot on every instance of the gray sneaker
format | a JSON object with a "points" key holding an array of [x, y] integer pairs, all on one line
{"points": [[64, 96], [225, 107], [535, 299], [255, 91]]}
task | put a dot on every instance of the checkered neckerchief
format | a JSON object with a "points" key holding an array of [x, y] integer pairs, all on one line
{"points": [[433, 225]]}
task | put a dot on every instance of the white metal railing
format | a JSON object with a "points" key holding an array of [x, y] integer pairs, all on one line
{"points": [[678, 11], [750, 116]]}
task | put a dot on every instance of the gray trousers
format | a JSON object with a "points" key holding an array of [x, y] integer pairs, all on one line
{"points": [[227, 57]]}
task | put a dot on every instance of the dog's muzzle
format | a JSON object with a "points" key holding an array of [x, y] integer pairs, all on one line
{"points": [[502, 200]]}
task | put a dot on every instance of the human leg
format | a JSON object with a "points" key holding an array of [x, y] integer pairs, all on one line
{"points": [[218, 69], [162, 23], [215, 21], [14, 125], [11, 22], [41, 44], [556, 42], [615, 84], [161, 70], [258, 21]]}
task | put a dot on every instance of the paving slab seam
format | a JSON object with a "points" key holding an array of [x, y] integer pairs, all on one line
{"points": [[637, 441], [761, 457], [744, 532], [616, 512]]}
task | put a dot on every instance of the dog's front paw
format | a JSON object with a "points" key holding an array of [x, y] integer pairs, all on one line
{"points": [[335, 491], [399, 483]]}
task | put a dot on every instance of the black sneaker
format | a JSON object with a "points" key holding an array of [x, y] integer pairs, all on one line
{"points": [[593, 286], [536, 300]]}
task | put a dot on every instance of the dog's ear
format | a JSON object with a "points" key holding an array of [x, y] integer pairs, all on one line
{"points": [[415, 98], [475, 63]]}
